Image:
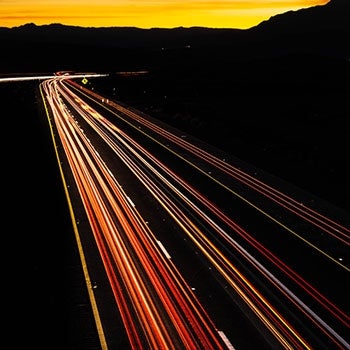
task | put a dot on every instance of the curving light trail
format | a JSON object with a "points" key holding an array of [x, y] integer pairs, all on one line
{"points": [[153, 297], [156, 304]]}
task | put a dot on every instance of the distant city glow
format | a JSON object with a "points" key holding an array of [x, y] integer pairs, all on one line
{"points": [[240, 14]]}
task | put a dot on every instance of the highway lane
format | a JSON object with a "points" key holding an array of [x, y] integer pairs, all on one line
{"points": [[158, 308], [205, 197], [50, 76]]}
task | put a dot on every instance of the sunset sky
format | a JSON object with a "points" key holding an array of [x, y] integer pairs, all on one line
{"points": [[147, 13]]}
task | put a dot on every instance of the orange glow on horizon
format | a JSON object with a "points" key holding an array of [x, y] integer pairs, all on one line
{"points": [[240, 14]]}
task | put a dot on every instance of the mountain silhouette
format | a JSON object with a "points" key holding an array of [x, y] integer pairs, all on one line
{"points": [[317, 30]]}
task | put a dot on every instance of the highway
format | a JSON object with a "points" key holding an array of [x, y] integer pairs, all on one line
{"points": [[193, 243]]}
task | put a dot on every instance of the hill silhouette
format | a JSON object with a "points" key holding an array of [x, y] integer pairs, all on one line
{"points": [[317, 30]]}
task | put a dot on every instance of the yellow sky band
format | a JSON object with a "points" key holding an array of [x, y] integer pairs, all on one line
{"points": [[147, 14]]}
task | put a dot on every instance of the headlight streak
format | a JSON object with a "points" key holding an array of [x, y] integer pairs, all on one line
{"points": [[183, 311], [262, 308], [131, 146], [324, 223], [331, 307]]}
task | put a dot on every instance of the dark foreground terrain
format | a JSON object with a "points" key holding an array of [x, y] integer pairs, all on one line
{"points": [[47, 306]]}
